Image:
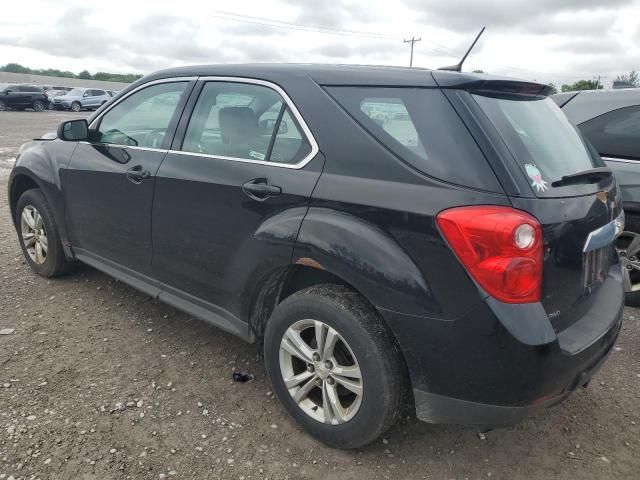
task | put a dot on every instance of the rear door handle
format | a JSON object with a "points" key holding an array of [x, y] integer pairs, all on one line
{"points": [[137, 174], [260, 189]]}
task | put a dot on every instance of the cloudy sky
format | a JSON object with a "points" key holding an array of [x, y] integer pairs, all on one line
{"points": [[556, 41]]}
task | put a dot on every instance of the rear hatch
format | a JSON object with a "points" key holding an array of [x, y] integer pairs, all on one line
{"points": [[550, 171]]}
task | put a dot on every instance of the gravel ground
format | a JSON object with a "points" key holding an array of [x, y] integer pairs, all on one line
{"points": [[99, 381]]}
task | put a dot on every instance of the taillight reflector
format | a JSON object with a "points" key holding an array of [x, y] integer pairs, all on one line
{"points": [[501, 248]]}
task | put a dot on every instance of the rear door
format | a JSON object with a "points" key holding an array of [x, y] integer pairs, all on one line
{"points": [[231, 194], [539, 147]]}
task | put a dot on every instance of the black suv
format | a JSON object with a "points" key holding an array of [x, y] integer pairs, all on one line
{"points": [[610, 120], [21, 97], [394, 236]]}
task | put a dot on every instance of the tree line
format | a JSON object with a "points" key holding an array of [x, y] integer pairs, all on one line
{"points": [[84, 75]]}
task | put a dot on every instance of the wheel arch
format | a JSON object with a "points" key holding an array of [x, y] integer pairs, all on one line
{"points": [[19, 184]]}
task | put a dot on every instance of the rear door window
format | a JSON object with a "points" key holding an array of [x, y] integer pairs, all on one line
{"points": [[420, 127], [541, 139], [615, 134], [244, 121]]}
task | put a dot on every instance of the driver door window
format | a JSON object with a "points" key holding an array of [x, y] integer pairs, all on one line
{"points": [[142, 119]]}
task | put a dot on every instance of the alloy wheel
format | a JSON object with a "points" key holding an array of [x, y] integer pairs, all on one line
{"points": [[75, 106], [321, 372], [629, 251], [34, 235]]}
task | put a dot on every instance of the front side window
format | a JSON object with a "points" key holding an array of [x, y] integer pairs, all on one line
{"points": [[141, 119], [239, 120], [616, 133]]}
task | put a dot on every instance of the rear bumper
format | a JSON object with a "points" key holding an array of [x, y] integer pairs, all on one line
{"points": [[495, 366], [434, 408]]}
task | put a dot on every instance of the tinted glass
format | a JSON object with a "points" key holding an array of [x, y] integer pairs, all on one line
{"points": [[233, 120], [98, 92], [289, 146], [419, 126], [540, 137], [615, 134], [392, 115], [141, 119]]}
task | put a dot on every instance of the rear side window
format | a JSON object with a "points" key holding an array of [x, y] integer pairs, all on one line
{"points": [[540, 137], [616, 133], [420, 127], [244, 121]]}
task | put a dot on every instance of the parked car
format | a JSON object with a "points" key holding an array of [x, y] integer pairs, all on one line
{"points": [[81, 99], [610, 120], [465, 265], [21, 97], [51, 94]]}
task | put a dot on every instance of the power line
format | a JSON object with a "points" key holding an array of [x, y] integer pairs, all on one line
{"points": [[412, 41], [237, 17]]}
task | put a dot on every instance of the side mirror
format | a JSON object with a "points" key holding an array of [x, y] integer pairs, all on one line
{"points": [[73, 130]]}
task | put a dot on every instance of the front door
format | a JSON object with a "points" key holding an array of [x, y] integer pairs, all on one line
{"points": [[230, 199], [110, 180]]}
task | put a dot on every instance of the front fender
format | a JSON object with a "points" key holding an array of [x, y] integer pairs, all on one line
{"points": [[42, 163], [366, 257]]}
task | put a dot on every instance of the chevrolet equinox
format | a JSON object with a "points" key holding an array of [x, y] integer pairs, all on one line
{"points": [[392, 236]]}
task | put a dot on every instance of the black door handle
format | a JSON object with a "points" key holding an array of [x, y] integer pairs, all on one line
{"points": [[137, 175], [260, 189]]}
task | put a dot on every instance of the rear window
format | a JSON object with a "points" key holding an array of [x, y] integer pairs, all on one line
{"points": [[544, 143], [421, 128]]}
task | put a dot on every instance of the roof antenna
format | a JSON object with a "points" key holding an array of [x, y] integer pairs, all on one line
{"points": [[458, 66]]}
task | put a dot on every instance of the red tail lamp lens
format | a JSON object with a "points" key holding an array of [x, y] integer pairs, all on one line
{"points": [[501, 248]]}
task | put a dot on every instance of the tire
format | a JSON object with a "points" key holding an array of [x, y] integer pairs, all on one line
{"points": [[38, 106], [54, 263], [76, 107], [365, 344], [628, 246]]}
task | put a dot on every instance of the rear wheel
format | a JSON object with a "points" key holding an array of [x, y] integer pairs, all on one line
{"points": [[334, 366], [38, 234], [38, 106], [75, 106]]}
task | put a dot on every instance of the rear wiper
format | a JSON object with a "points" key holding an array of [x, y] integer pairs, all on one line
{"points": [[593, 175]]}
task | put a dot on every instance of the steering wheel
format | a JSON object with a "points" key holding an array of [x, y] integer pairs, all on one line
{"points": [[155, 137]]}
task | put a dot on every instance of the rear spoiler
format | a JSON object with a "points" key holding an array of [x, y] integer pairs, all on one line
{"points": [[492, 85]]}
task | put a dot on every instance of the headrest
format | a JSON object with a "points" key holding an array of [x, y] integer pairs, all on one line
{"points": [[237, 124]]}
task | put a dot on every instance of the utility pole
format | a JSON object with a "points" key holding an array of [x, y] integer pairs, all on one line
{"points": [[412, 41]]}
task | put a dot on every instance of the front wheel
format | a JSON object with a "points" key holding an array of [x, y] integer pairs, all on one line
{"points": [[75, 106], [38, 235], [334, 366]]}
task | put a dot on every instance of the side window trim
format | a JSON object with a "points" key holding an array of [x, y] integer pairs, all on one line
{"points": [[288, 103], [173, 124]]}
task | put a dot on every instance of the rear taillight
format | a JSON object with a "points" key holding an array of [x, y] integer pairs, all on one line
{"points": [[501, 247]]}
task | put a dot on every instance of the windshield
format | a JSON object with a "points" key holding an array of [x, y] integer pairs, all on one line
{"points": [[542, 140], [76, 92]]}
